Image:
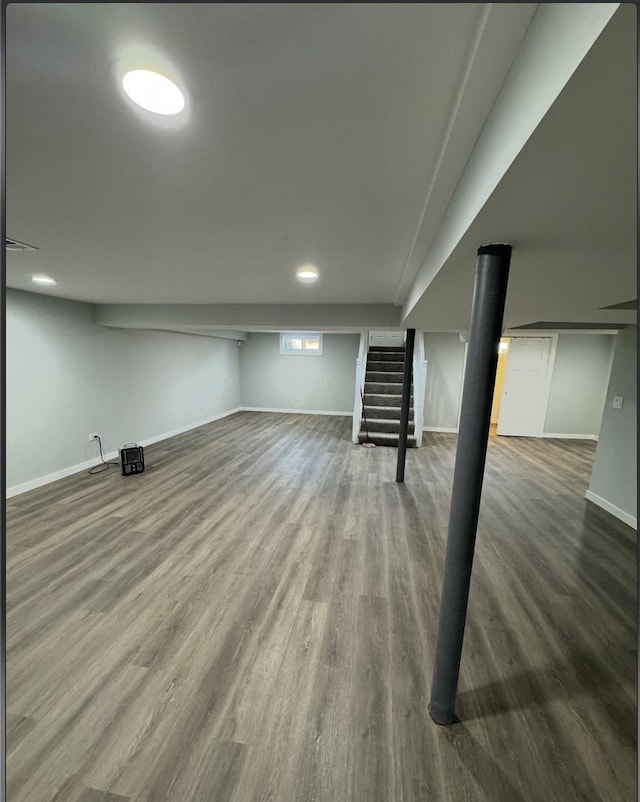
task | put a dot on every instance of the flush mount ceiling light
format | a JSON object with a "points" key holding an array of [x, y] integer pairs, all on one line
{"points": [[153, 92], [46, 281], [307, 273]]}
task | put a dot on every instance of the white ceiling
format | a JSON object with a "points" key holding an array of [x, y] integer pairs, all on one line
{"points": [[326, 133], [312, 135]]}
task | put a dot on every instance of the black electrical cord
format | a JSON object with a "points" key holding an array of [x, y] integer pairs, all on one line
{"points": [[105, 465]]}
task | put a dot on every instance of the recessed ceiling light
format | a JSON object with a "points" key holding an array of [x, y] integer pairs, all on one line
{"points": [[307, 273], [153, 92], [45, 280]]}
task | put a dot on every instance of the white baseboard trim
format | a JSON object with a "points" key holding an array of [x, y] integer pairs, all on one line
{"points": [[570, 436], [17, 490], [445, 429], [32, 484], [166, 435], [297, 411], [611, 508]]}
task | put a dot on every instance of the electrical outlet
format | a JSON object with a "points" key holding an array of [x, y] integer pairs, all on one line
{"points": [[617, 402], [93, 436]]}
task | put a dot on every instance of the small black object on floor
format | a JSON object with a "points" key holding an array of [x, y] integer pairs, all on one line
{"points": [[131, 459]]}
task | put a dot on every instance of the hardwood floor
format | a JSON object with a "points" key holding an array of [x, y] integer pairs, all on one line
{"points": [[254, 618]]}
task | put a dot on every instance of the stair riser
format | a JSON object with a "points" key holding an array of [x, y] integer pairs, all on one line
{"points": [[382, 388], [383, 377], [385, 367], [389, 349], [392, 413], [388, 426], [374, 399], [372, 356]]}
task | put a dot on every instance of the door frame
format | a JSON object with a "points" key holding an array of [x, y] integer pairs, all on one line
{"points": [[551, 360], [464, 370]]}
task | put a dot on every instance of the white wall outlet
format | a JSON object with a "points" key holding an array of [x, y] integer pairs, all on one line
{"points": [[93, 436], [617, 401]]}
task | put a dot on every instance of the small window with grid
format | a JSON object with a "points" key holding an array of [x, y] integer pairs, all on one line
{"points": [[301, 343]]}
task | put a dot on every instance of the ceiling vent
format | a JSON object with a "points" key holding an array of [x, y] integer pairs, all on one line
{"points": [[16, 245]]}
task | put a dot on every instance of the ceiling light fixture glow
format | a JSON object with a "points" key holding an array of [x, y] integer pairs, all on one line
{"points": [[153, 92], [46, 281], [307, 273]]}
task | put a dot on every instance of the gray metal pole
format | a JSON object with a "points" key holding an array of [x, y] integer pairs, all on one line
{"points": [[487, 310], [406, 397]]}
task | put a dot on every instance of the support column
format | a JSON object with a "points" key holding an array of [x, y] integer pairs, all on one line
{"points": [[406, 398], [485, 328]]}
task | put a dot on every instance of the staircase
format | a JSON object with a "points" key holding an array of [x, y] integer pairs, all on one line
{"points": [[383, 398]]}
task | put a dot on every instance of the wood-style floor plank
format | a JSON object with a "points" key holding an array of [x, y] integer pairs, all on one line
{"points": [[254, 618]]}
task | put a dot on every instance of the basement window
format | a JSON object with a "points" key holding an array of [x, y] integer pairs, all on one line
{"points": [[301, 343]]}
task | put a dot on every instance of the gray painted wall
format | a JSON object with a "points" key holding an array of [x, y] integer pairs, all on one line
{"points": [[67, 377], [445, 362], [271, 380], [614, 476], [579, 383]]}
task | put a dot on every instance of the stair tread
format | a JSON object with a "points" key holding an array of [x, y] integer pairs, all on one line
{"points": [[387, 435], [381, 434], [371, 421], [380, 406], [374, 407], [369, 396], [386, 438], [394, 365], [386, 384], [385, 396]]}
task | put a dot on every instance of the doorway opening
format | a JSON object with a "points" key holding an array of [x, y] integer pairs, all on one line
{"points": [[523, 382], [501, 371]]}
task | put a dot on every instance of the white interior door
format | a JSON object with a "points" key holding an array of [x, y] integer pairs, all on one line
{"points": [[524, 401]]}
